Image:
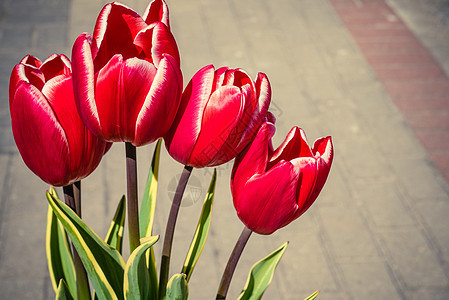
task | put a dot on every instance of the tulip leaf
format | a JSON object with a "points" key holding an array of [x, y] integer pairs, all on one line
{"points": [[261, 274], [114, 238], [59, 255], [103, 264], [62, 292], [202, 231], [313, 296], [137, 283], [148, 206], [146, 216], [177, 288]]}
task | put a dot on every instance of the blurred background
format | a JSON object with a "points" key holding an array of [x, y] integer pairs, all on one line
{"points": [[373, 74]]}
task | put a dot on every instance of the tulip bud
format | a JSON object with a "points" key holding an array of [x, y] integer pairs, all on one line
{"points": [[53, 141], [219, 115], [272, 188]]}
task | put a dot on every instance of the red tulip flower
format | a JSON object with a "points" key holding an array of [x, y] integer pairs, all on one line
{"points": [[53, 141], [127, 77], [219, 115], [273, 188]]}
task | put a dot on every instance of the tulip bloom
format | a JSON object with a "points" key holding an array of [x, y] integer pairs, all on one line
{"points": [[273, 188], [219, 115], [53, 141], [127, 77]]}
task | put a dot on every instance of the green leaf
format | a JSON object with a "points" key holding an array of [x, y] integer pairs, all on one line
{"points": [[103, 264], [202, 231], [62, 292], [114, 237], [313, 296], [148, 206], [146, 216], [59, 255], [177, 288], [137, 282], [261, 275]]}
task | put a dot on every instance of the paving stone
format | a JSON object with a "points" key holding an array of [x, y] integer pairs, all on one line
{"points": [[367, 279], [412, 259]]}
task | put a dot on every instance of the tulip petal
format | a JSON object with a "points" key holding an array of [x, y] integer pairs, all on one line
{"points": [[295, 145], [219, 78], [182, 136], [59, 93], [56, 65], [219, 119], [116, 27], [259, 112], [32, 61], [84, 82], [253, 160], [307, 177], [161, 103], [155, 40], [85, 149], [268, 200], [107, 99], [325, 154], [27, 73], [157, 11], [39, 136]]}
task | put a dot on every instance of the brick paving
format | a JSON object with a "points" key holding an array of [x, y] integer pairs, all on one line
{"points": [[379, 230], [411, 76]]}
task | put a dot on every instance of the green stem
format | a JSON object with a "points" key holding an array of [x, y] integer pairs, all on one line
{"points": [[232, 263], [133, 208], [170, 230], [72, 197]]}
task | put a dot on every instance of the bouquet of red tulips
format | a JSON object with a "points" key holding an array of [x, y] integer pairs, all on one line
{"points": [[124, 84]]}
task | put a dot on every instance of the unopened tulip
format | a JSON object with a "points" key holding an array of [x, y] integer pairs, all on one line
{"points": [[220, 113], [53, 141], [127, 77], [272, 188]]}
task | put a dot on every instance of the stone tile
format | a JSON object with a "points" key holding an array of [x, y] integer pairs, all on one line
{"points": [[418, 178], [347, 234], [384, 204], [435, 216], [368, 280], [412, 259]]}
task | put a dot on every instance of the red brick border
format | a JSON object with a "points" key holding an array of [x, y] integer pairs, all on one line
{"points": [[411, 76]]}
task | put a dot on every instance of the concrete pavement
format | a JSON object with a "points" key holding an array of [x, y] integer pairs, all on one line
{"points": [[379, 229]]}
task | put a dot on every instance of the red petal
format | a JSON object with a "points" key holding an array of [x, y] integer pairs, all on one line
{"points": [[56, 65], [254, 159], [295, 145], [32, 61], [39, 136], [59, 94], [259, 113], [155, 40], [27, 73], [161, 104], [219, 119], [183, 135], [219, 78], [157, 11], [84, 82], [116, 27], [267, 201], [107, 99], [324, 158], [307, 178], [137, 77]]}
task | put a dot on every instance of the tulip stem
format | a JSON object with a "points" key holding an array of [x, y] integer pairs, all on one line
{"points": [[72, 197], [232, 263], [170, 229], [133, 206]]}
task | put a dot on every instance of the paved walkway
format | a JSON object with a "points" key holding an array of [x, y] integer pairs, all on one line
{"points": [[379, 230]]}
